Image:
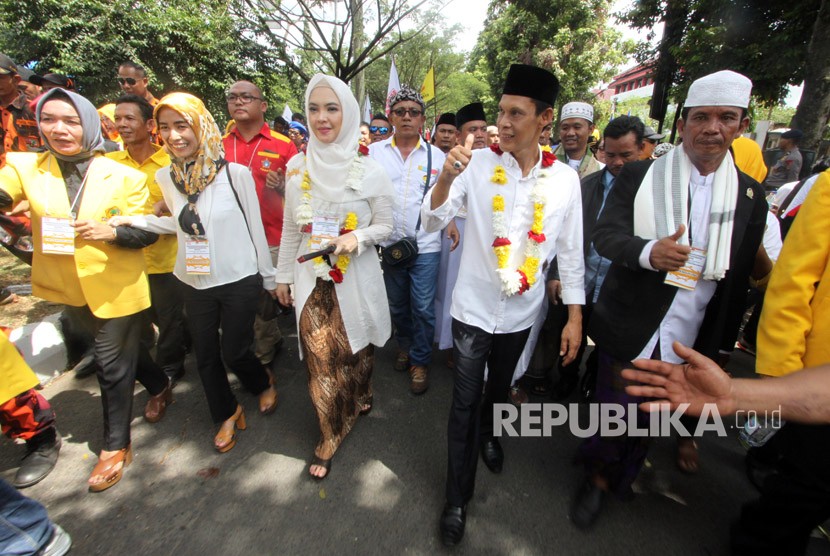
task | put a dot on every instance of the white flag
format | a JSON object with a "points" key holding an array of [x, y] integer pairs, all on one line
{"points": [[394, 85], [287, 113], [367, 110]]}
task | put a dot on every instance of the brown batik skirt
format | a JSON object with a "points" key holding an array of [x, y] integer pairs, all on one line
{"points": [[339, 381]]}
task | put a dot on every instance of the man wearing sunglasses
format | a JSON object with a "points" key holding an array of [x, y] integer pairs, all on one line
{"points": [[413, 165], [132, 78], [380, 128]]}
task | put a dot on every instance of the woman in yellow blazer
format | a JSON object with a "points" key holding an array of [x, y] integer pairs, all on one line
{"points": [[96, 271]]}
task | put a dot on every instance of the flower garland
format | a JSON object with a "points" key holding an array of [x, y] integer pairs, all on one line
{"points": [[304, 216], [335, 272], [521, 279]]}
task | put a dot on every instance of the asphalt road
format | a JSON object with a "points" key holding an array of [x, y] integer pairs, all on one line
{"points": [[385, 490]]}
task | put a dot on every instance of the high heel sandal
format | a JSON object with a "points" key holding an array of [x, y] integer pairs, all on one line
{"points": [[225, 439], [105, 468], [268, 397]]}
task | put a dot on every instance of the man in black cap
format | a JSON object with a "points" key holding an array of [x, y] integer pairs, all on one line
{"points": [[26, 86], [788, 167], [18, 128], [445, 132], [651, 140], [522, 205], [470, 119], [51, 81]]}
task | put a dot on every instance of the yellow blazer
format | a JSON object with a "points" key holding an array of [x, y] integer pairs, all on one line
{"points": [[15, 375], [112, 280], [794, 332]]}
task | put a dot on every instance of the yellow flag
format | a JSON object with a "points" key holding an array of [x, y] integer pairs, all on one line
{"points": [[428, 88]]}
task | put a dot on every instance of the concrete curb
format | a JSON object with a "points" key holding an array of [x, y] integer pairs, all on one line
{"points": [[41, 344]]}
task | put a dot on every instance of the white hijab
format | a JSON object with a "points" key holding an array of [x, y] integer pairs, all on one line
{"points": [[328, 164]]}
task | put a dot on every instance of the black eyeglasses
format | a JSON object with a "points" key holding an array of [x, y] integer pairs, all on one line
{"points": [[376, 129], [414, 112], [127, 80], [244, 97]]}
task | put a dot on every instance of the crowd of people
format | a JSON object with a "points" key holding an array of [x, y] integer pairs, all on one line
{"points": [[487, 240]]}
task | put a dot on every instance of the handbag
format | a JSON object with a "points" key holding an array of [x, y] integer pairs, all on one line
{"points": [[403, 252], [267, 308]]}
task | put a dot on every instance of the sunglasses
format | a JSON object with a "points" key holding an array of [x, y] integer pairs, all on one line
{"points": [[376, 129], [128, 80], [414, 112]]}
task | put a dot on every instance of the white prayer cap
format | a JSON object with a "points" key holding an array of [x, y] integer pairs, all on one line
{"points": [[578, 110], [724, 88]]}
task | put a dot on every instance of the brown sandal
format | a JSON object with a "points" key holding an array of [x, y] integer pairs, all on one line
{"points": [[106, 468], [687, 455], [366, 407], [225, 439], [320, 462]]}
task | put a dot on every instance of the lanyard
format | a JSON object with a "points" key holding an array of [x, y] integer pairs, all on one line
{"points": [[253, 153]]}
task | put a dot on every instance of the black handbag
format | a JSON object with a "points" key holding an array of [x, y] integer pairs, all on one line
{"points": [[403, 252]]}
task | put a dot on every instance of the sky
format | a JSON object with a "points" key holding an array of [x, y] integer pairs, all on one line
{"points": [[471, 14]]}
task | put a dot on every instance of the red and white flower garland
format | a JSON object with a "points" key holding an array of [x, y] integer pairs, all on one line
{"points": [[519, 280]]}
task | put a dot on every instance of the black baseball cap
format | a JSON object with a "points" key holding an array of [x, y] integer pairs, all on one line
{"points": [[57, 79], [7, 65]]}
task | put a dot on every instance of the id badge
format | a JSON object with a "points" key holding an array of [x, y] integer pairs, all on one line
{"points": [[57, 236], [687, 276], [197, 256], [323, 230]]}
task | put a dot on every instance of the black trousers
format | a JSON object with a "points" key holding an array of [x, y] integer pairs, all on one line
{"points": [[122, 358], [232, 308], [794, 500], [167, 312], [471, 420]]}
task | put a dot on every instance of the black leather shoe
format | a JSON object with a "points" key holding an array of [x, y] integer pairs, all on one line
{"points": [[453, 519], [492, 454], [587, 505], [40, 459], [85, 367], [564, 388]]}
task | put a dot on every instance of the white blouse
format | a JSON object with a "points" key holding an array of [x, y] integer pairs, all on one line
{"points": [[233, 255], [362, 294]]}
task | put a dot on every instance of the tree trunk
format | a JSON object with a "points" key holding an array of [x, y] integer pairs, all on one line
{"points": [[814, 108], [359, 81]]}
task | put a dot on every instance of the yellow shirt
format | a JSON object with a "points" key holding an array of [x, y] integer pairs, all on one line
{"points": [[111, 280], [160, 256], [749, 159], [15, 375]]}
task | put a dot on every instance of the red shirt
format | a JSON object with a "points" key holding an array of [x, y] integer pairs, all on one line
{"points": [[266, 151]]}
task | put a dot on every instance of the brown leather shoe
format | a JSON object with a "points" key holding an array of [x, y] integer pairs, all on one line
{"points": [[418, 379], [402, 361], [157, 405]]}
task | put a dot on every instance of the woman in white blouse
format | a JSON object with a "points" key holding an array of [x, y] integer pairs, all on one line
{"points": [[336, 196], [223, 258]]}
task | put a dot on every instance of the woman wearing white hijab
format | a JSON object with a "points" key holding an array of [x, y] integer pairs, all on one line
{"points": [[336, 196]]}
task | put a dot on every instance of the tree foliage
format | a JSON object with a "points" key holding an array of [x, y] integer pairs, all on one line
{"points": [[766, 40], [337, 37], [184, 44], [454, 87], [571, 38]]}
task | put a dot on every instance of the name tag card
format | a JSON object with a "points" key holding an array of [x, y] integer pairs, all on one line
{"points": [[57, 236], [687, 276], [323, 230], [197, 256]]}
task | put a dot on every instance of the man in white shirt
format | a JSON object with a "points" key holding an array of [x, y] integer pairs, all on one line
{"points": [[522, 205], [413, 165], [682, 233]]}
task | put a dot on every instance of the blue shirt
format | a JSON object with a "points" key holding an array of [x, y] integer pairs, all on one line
{"points": [[596, 266]]}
